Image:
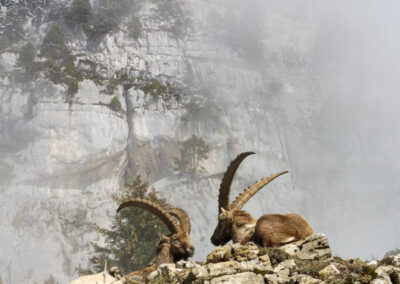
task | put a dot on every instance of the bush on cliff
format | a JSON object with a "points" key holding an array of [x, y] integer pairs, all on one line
{"points": [[131, 241], [79, 13], [59, 66], [194, 150]]}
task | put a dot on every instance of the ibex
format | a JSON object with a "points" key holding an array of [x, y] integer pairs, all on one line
{"points": [[234, 224], [171, 248]]}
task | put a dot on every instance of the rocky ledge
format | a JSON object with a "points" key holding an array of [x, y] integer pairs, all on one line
{"points": [[304, 262]]}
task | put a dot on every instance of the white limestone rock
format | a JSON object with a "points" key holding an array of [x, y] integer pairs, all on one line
{"points": [[95, 279], [239, 278], [329, 271], [313, 247], [304, 279]]}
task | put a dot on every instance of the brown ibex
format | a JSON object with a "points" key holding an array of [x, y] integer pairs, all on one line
{"points": [[170, 248], [237, 225]]}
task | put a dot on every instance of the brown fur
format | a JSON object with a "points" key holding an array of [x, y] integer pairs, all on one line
{"points": [[141, 275], [275, 230], [242, 227], [271, 230], [238, 225], [169, 250]]}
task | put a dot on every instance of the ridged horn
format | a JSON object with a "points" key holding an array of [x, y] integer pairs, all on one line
{"points": [[225, 187], [183, 218], [155, 209], [241, 200]]}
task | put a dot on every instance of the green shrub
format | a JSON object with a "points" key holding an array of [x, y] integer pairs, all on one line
{"points": [[135, 28], [53, 45], [115, 105], [79, 13], [12, 28], [51, 280], [154, 88], [131, 241], [194, 151], [4, 44], [59, 66], [99, 26], [26, 60]]}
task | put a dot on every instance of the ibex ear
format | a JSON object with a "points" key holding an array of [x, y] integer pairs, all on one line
{"points": [[164, 238]]}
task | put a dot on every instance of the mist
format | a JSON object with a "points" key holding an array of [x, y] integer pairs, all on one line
{"points": [[336, 66], [311, 86]]}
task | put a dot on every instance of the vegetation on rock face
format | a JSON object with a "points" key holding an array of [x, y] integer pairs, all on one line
{"points": [[115, 105], [135, 28], [11, 29], [50, 280], [108, 18], [26, 61], [172, 14], [79, 13], [59, 66], [194, 151], [154, 88], [131, 241], [99, 26], [54, 47]]}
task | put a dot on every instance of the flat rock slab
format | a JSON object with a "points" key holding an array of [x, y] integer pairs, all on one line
{"points": [[94, 279], [311, 248], [245, 277]]}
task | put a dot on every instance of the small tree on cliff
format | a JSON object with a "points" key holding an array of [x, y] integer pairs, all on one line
{"points": [[194, 150], [131, 241]]}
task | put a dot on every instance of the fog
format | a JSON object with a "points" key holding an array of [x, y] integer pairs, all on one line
{"points": [[337, 67], [321, 78]]}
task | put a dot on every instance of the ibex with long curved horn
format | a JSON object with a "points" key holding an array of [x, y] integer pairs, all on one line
{"points": [[237, 225], [171, 248]]}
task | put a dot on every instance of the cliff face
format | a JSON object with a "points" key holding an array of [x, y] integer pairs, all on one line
{"points": [[63, 156], [242, 77]]}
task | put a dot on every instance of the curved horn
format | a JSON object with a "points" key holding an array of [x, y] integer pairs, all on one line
{"points": [[183, 218], [155, 209], [241, 200], [225, 187]]}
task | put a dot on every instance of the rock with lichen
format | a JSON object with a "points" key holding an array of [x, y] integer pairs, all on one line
{"points": [[308, 261], [313, 247]]}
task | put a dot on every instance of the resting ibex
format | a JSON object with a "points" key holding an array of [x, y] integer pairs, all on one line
{"points": [[237, 225], [171, 248]]}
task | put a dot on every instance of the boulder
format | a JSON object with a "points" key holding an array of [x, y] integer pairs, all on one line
{"points": [[313, 247], [284, 270], [220, 254], [381, 281], [329, 271], [244, 277], [95, 279], [304, 279], [245, 252]]}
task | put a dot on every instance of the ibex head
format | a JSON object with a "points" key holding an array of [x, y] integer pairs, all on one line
{"points": [[178, 242], [181, 247], [224, 231]]}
